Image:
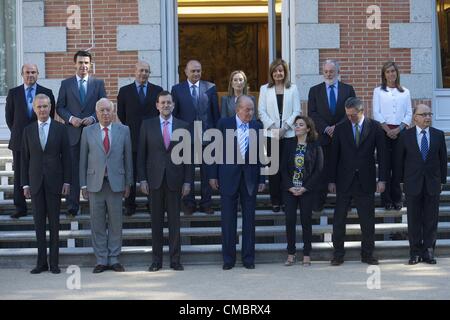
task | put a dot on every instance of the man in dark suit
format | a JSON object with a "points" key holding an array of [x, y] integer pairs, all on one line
{"points": [[162, 179], [241, 178], [422, 164], [135, 103], [19, 113], [46, 174], [353, 176], [76, 105], [326, 107], [196, 100]]}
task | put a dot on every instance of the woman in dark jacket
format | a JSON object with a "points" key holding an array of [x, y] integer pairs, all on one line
{"points": [[301, 164]]}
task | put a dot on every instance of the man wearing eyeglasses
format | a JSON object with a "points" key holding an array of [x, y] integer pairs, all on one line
{"points": [[422, 165]]}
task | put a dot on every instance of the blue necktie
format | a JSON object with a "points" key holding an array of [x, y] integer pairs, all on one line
{"points": [[194, 95], [82, 91], [243, 139], [424, 145], [141, 94], [30, 102], [332, 100]]}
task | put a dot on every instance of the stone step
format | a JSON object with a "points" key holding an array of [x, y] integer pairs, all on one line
{"points": [[192, 255], [260, 231]]}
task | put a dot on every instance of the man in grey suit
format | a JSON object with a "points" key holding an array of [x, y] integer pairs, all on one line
{"points": [[106, 174], [76, 105]]}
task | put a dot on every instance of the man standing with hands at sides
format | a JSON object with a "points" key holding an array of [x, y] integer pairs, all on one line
{"points": [[135, 103], [239, 179], [46, 174], [18, 114], [196, 100], [422, 165], [326, 107], [353, 176], [76, 105], [106, 174], [162, 179]]}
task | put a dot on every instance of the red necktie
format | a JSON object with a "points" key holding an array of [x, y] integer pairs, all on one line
{"points": [[106, 141]]}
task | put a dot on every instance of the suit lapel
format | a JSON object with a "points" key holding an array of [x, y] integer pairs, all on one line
{"points": [[365, 130], [35, 136], [324, 101], [74, 88], [187, 93], [50, 135], [98, 136], [90, 90], [350, 135]]}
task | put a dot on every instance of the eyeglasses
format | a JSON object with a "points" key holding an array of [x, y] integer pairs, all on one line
{"points": [[426, 114]]}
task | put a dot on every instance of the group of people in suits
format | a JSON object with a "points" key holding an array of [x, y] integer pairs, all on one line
{"points": [[330, 150]]}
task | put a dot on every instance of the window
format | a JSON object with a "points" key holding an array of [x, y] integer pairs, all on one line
{"points": [[443, 44], [8, 46]]}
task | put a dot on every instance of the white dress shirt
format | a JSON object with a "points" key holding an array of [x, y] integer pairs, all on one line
{"points": [[392, 106]]}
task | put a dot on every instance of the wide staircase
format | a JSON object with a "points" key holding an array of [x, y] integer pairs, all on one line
{"points": [[201, 233]]}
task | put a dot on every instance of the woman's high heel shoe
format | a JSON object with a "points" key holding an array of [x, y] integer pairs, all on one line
{"points": [[290, 260]]}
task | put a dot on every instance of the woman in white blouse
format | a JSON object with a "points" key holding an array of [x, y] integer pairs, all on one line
{"points": [[278, 105], [392, 108]]}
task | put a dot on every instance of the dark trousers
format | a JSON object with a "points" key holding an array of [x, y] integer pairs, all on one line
{"points": [[165, 200], [74, 197], [275, 190], [130, 202], [292, 203], [19, 198], [229, 225], [366, 212], [46, 204], [423, 216], [206, 192], [392, 193], [320, 195]]}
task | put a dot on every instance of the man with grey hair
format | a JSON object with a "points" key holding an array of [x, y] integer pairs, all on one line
{"points": [[353, 176], [18, 114], [136, 102], [326, 108], [106, 174]]}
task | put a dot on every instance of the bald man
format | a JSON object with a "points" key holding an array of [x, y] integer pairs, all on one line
{"points": [[136, 102], [19, 113], [422, 166], [196, 100]]}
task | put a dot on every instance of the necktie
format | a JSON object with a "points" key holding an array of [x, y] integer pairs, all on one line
{"points": [[194, 95], [82, 91], [166, 135], [332, 100], [357, 134], [42, 138], [141, 94], [424, 145], [30, 101], [243, 139], [106, 140]]}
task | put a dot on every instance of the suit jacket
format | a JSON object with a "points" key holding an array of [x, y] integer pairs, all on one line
{"points": [[131, 112], [69, 103], [50, 168], [313, 164], [228, 106], [229, 175], [154, 161], [94, 161], [208, 106], [319, 108], [16, 113], [268, 108], [417, 173], [347, 158]]}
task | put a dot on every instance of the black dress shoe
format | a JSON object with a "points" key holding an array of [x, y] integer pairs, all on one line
{"points": [[388, 206], [38, 270], [71, 214], [428, 256], [227, 266], [55, 270], [276, 208], [398, 206], [207, 210], [100, 268], [177, 266], [17, 215], [117, 267], [414, 260], [370, 260], [249, 266], [155, 267], [188, 211], [337, 261], [130, 211]]}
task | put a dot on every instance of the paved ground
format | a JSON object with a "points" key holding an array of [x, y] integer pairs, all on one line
{"points": [[267, 281]]}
